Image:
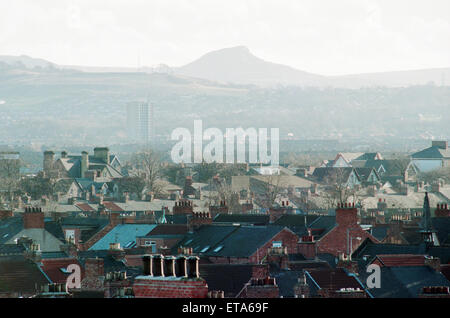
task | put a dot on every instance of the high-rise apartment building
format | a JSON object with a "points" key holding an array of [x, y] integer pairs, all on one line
{"points": [[140, 121]]}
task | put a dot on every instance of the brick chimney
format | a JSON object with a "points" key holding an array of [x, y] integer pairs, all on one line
{"points": [[442, 210], [94, 267], [307, 246], [346, 214], [197, 219], [183, 207], [33, 218], [222, 208]]}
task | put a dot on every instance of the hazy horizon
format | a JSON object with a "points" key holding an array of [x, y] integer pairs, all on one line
{"points": [[322, 37]]}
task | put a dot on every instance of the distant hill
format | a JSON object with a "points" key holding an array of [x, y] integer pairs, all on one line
{"points": [[239, 65], [26, 61]]}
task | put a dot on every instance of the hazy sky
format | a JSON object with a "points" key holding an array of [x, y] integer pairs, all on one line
{"points": [[328, 37]]}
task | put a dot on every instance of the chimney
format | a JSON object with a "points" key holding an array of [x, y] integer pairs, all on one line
{"points": [[346, 214], [440, 144], [102, 153], [63, 154], [193, 270], [94, 267], [33, 218], [84, 164]]}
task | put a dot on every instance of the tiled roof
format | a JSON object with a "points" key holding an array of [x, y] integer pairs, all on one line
{"points": [[18, 274], [85, 207], [400, 260], [125, 234], [53, 268], [111, 206]]}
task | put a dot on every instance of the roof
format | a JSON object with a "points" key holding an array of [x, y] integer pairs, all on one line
{"points": [[442, 226], [168, 229], [242, 218], [405, 281], [11, 249], [433, 152], [10, 227], [125, 234], [368, 156], [230, 278], [328, 174], [400, 260], [333, 279], [55, 268], [229, 241], [364, 173], [21, 275]]}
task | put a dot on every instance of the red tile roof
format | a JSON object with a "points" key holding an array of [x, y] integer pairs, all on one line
{"points": [[111, 206], [52, 268], [400, 260], [85, 207]]}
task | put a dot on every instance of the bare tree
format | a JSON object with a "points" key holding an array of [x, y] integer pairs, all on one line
{"points": [[147, 166], [338, 189]]}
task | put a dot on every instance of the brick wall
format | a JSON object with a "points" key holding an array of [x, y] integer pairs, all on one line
{"points": [[335, 241], [169, 288]]}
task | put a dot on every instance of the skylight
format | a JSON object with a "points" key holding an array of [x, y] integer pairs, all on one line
{"points": [[218, 248], [204, 249]]}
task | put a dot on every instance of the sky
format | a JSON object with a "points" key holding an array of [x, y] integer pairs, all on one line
{"points": [[328, 37]]}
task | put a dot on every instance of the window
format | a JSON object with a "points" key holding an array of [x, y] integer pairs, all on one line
{"points": [[218, 248], [277, 244], [204, 249], [149, 243]]}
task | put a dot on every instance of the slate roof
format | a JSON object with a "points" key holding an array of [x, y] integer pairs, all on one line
{"points": [[10, 227], [433, 152], [230, 278], [372, 249], [367, 156], [405, 281], [257, 219], [364, 173], [125, 234], [442, 226], [295, 222], [168, 229], [11, 249], [379, 231], [328, 174], [228, 241]]}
